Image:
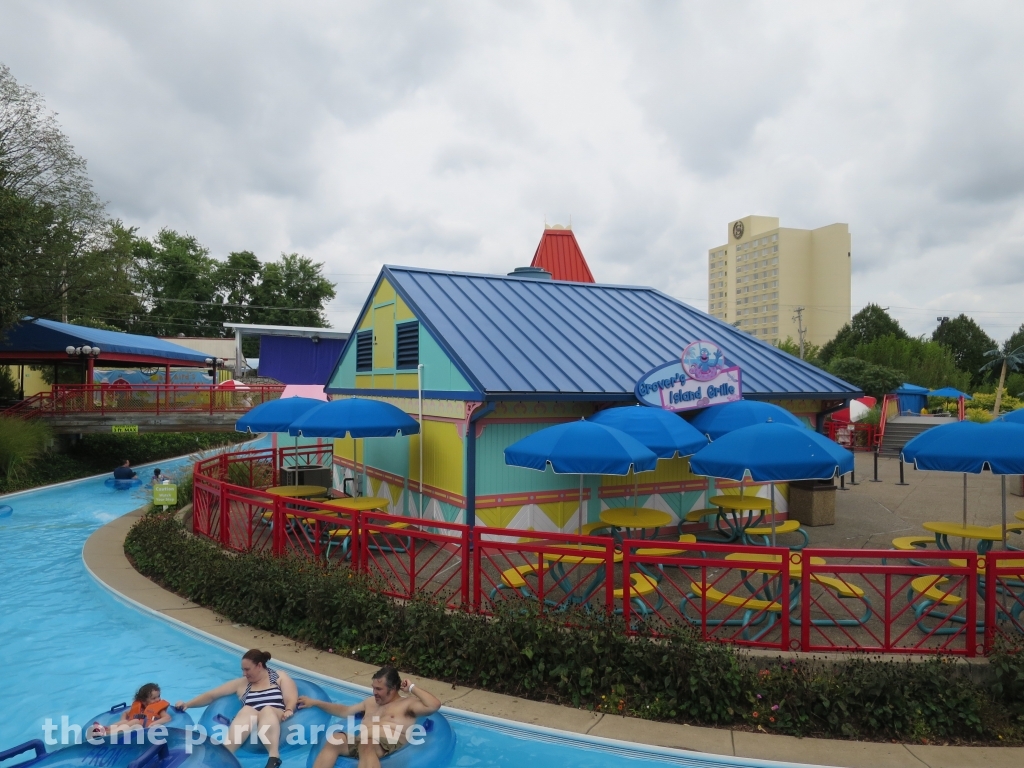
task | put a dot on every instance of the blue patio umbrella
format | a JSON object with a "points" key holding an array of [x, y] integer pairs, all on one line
{"points": [[721, 419], [772, 453], [356, 417], [1014, 417], [969, 447], [275, 415], [663, 432], [581, 448]]}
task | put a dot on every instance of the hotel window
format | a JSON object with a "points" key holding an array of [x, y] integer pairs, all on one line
{"points": [[775, 249], [775, 318], [364, 351], [774, 238], [775, 331]]}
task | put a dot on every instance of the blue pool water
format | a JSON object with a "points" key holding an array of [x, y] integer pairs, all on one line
{"points": [[68, 647]]}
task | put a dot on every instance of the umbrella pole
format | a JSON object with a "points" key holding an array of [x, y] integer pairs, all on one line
{"points": [[1003, 482], [579, 517], [963, 542], [773, 514]]}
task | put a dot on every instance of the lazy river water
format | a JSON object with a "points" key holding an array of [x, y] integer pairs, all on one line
{"points": [[70, 648]]}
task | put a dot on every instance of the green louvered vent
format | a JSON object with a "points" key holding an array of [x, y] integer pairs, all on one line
{"points": [[408, 345], [364, 351]]}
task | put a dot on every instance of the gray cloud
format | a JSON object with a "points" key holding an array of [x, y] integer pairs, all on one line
{"points": [[444, 135]]}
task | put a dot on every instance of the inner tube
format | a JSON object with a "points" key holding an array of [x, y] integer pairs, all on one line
{"points": [[180, 720], [6, 510], [122, 485], [222, 711], [435, 752], [119, 752]]}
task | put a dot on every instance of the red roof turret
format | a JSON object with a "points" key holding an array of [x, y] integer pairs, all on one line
{"points": [[560, 254]]}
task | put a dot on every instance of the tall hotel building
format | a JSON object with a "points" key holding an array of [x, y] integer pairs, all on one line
{"points": [[764, 273]]}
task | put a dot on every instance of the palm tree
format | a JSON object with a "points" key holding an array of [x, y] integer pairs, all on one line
{"points": [[1005, 360]]}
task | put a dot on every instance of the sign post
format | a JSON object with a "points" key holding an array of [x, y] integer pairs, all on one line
{"points": [[165, 495]]}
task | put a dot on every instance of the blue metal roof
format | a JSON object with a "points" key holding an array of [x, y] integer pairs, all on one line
{"points": [[41, 335], [518, 336]]}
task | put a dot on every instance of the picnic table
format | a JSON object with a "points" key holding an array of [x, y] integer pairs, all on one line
{"points": [[986, 535], [360, 503], [639, 518], [730, 508], [587, 554], [297, 491]]}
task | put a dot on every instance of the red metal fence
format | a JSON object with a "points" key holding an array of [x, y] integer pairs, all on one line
{"points": [[817, 600], [104, 399], [853, 436]]}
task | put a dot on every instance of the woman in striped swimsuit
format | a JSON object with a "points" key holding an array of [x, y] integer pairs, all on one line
{"points": [[269, 697]]}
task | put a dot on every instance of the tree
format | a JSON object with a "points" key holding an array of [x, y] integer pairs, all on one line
{"points": [[925, 363], [812, 352], [869, 324], [875, 380], [53, 219], [1016, 340], [293, 291], [967, 342], [1003, 359], [179, 284]]}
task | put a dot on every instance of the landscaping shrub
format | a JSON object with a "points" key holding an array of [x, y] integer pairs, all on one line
{"points": [[580, 658], [22, 443]]}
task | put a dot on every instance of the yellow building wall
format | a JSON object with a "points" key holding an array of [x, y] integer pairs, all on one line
{"points": [[443, 457]]}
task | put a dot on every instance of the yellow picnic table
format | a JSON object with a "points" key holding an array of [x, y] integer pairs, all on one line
{"points": [[796, 563], [732, 505], [297, 491], [985, 534], [1019, 515], [360, 503], [639, 518]]}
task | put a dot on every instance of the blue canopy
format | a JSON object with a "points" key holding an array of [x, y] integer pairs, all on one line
{"points": [[355, 417], [276, 415], [719, 420], [949, 392], [663, 432], [912, 398], [772, 453], [581, 448], [969, 447]]}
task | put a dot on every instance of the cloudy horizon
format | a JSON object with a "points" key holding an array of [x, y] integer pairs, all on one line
{"points": [[445, 135]]}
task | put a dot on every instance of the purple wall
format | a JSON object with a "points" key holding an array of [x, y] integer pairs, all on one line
{"points": [[297, 360]]}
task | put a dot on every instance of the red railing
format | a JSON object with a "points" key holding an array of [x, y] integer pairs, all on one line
{"points": [[853, 435], [817, 600], [890, 408], [103, 399]]}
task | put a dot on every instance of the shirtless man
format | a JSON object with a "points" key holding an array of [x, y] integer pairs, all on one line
{"points": [[386, 710]]}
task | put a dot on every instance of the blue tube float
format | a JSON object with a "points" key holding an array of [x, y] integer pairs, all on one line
{"points": [[179, 720], [435, 752], [122, 751], [220, 712], [6, 510], [122, 485]]}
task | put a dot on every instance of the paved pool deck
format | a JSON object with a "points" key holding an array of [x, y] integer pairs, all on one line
{"points": [[104, 556]]}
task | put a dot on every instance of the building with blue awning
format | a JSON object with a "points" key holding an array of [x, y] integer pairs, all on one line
{"points": [[491, 359]]}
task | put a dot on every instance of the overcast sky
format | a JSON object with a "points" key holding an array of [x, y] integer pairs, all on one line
{"points": [[445, 134]]}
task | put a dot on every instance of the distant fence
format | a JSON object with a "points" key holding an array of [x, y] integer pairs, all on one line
{"points": [[112, 399], [877, 601]]}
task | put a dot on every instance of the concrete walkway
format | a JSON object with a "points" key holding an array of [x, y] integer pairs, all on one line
{"points": [[104, 556], [870, 515]]}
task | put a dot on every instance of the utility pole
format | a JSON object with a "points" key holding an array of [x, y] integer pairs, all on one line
{"points": [[799, 317]]}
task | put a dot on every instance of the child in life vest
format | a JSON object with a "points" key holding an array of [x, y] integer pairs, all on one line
{"points": [[147, 710]]}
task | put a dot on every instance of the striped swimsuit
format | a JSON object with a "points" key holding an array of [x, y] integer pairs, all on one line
{"points": [[269, 697]]}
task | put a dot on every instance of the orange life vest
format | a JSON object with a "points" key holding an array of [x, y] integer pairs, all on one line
{"points": [[147, 714]]}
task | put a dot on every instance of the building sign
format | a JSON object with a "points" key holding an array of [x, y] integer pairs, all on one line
{"points": [[165, 494], [125, 429], [702, 377]]}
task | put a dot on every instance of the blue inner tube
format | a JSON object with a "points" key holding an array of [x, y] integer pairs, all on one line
{"points": [[223, 710], [6, 510], [435, 752], [120, 752], [122, 485], [180, 720]]}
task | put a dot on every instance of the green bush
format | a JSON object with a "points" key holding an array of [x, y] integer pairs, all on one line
{"points": [[579, 658], [985, 401], [22, 443], [874, 380], [104, 452]]}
